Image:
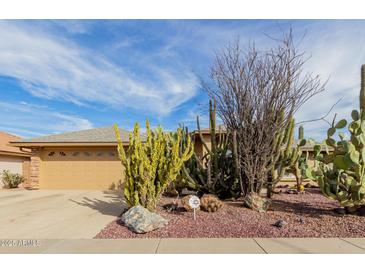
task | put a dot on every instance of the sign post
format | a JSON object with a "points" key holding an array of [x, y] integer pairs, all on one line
{"points": [[194, 203]]}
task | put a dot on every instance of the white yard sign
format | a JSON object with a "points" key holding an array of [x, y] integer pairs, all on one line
{"points": [[194, 203]]}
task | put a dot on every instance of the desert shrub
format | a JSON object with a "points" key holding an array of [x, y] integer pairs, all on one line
{"points": [[151, 165], [11, 180]]}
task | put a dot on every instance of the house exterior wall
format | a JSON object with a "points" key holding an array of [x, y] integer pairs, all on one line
{"points": [[85, 167], [199, 147], [76, 168], [26, 171], [15, 164], [34, 172]]}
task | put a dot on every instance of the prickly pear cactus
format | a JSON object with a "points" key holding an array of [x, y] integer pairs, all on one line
{"points": [[341, 173]]}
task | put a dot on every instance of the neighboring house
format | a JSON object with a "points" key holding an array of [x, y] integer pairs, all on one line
{"points": [[12, 158], [84, 159]]}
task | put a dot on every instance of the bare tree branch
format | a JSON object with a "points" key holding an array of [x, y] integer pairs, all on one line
{"points": [[323, 118], [253, 89]]}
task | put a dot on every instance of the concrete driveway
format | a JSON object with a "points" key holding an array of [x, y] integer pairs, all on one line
{"points": [[56, 214]]}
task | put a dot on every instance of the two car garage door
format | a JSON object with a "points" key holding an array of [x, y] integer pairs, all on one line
{"points": [[94, 168]]}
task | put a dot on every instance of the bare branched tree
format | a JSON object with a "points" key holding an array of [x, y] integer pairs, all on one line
{"points": [[252, 88]]}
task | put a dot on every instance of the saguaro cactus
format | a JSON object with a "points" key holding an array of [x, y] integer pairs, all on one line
{"points": [[150, 166], [341, 173]]}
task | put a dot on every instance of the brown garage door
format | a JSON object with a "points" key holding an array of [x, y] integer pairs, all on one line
{"points": [[96, 168]]}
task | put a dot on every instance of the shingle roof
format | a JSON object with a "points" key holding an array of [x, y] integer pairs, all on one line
{"points": [[95, 135]]}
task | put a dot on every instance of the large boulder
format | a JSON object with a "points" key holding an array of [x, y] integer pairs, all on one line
{"points": [[141, 220], [256, 202], [210, 203]]}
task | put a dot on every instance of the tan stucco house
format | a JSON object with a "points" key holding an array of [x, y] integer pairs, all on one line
{"points": [[85, 159], [13, 158]]}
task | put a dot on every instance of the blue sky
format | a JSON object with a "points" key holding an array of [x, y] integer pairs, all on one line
{"points": [[58, 76]]}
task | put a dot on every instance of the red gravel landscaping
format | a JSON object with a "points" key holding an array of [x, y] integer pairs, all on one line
{"points": [[307, 215]]}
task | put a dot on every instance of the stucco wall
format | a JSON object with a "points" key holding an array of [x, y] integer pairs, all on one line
{"points": [[79, 168], [13, 164], [199, 148]]}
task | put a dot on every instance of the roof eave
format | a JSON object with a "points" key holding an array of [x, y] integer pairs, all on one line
{"points": [[11, 153], [68, 144]]}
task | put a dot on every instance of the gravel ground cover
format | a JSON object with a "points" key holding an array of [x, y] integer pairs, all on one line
{"points": [[307, 215]]}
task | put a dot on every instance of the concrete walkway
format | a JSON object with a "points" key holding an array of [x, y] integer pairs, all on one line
{"points": [[181, 246], [56, 214]]}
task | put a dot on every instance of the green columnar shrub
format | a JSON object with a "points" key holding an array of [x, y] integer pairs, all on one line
{"points": [[341, 173], [151, 165], [11, 180]]}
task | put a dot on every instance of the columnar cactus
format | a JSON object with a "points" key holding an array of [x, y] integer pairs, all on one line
{"points": [[301, 133], [150, 166], [341, 173], [214, 172], [297, 168], [286, 155]]}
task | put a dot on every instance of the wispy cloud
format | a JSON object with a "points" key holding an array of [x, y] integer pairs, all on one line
{"points": [[144, 68], [337, 52], [335, 47], [75, 26], [54, 68], [34, 120]]}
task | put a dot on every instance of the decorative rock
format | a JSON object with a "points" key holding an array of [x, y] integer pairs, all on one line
{"points": [[280, 223], [256, 202], [171, 207], [185, 203], [140, 220], [210, 203], [185, 191]]}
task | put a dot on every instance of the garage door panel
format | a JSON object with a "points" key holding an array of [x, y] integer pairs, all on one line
{"points": [[12, 164], [80, 169]]}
